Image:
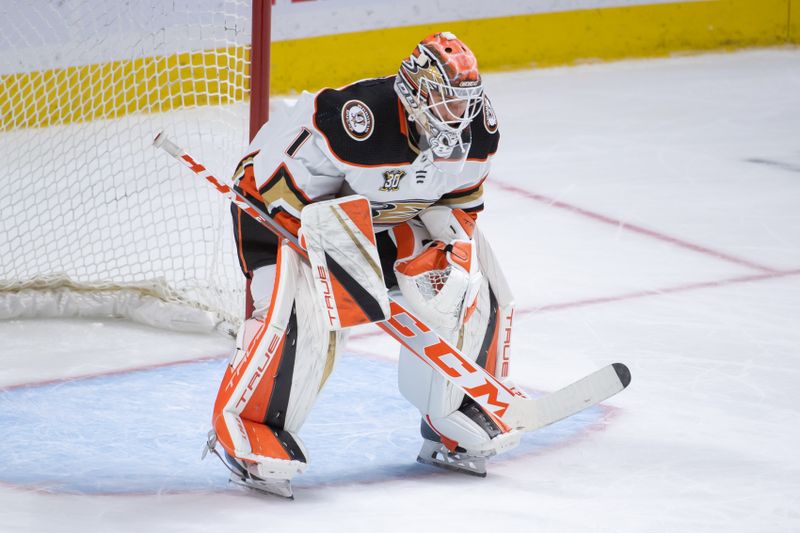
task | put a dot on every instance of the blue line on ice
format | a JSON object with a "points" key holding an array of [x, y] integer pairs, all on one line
{"points": [[143, 431]]}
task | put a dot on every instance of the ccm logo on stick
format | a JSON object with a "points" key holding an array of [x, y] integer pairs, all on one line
{"points": [[437, 353]]}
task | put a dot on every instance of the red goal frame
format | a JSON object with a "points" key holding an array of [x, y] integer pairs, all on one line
{"points": [[259, 86]]}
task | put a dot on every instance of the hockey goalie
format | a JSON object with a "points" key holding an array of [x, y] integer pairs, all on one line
{"points": [[382, 182]]}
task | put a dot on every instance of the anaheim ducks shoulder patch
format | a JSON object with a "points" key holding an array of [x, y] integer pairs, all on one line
{"points": [[489, 118], [358, 120]]}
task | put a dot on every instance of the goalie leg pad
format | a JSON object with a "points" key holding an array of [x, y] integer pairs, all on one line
{"points": [[270, 386], [483, 336]]}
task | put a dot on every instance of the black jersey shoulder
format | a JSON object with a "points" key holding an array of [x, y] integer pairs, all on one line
{"points": [[485, 133], [361, 123]]}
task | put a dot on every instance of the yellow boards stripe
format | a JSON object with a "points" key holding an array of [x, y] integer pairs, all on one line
{"points": [[220, 76], [117, 88], [794, 21], [538, 40]]}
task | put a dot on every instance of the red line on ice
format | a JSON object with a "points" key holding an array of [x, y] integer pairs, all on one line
{"points": [[121, 371], [657, 292], [552, 202], [522, 311], [686, 287]]}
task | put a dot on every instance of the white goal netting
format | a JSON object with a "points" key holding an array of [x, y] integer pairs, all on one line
{"points": [[88, 207]]}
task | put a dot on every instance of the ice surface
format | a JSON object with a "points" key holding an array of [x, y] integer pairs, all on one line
{"points": [[141, 432], [648, 213]]}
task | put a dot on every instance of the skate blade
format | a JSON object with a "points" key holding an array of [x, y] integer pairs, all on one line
{"points": [[435, 454], [281, 488], [453, 467]]}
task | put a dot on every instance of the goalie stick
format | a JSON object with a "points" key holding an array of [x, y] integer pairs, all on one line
{"points": [[509, 409]]}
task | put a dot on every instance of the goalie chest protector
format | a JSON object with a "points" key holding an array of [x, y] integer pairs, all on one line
{"points": [[366, 131]]}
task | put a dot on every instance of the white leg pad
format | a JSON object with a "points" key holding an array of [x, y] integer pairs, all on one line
{"points": [[276, 373], [483, 337]]}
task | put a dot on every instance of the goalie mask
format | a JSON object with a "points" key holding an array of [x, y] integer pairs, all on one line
{"points": [[441, 90]]}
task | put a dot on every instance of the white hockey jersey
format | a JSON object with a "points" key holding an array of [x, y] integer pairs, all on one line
{"points": [[358, 140]]}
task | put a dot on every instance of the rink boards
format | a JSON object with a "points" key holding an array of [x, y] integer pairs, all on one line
{"points": [[535, 34], [318, 44]]}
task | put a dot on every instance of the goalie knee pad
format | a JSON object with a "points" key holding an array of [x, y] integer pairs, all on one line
{"points": [[276, 374]]}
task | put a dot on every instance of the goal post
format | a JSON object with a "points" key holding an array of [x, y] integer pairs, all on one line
{"points": [[93, 222], [259, 64], [259, 89]]}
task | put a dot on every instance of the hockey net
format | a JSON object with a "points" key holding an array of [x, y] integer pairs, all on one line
{"points": [[93, 220]]}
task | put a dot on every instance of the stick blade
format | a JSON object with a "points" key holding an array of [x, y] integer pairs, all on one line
{"points": [[598, 386], [623, 374]]}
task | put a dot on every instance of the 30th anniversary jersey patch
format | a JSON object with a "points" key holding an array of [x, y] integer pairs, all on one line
{"points": [[357, 119], [391, 180]]}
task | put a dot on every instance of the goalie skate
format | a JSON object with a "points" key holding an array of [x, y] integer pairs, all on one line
{"points": [[242, 475], [436, 454]]}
